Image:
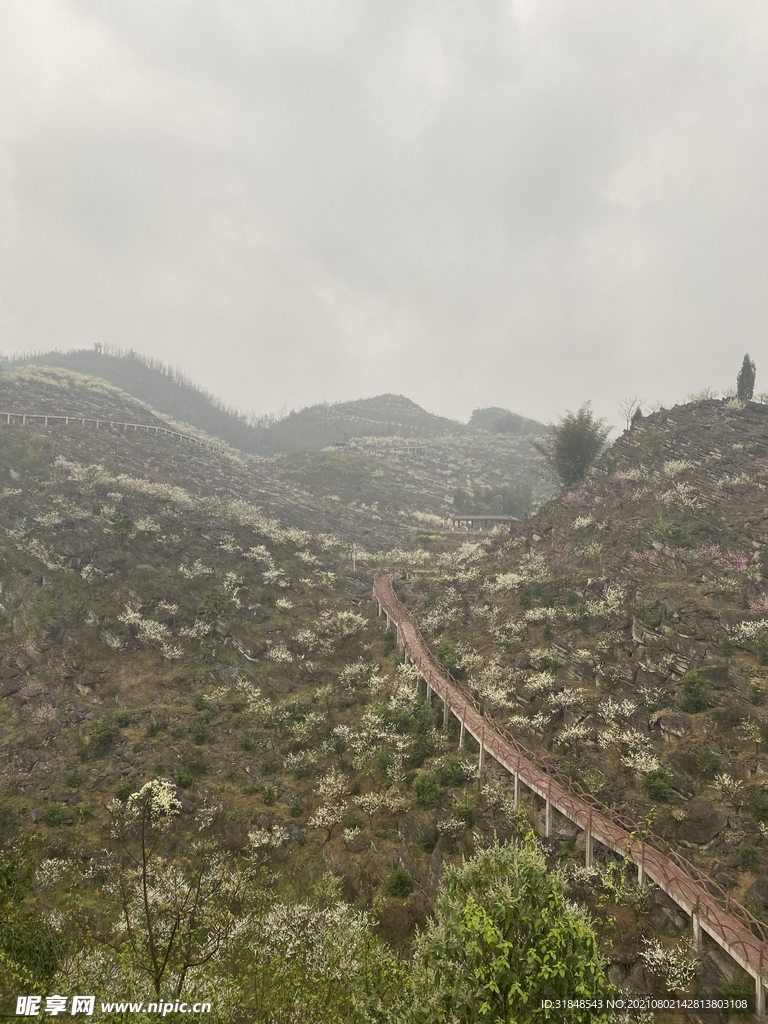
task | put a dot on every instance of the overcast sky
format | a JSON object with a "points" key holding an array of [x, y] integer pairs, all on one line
{"points": [[469, 202]]}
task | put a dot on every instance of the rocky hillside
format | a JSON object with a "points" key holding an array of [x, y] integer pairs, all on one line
{"points": [[624, 630], [168, 612]]}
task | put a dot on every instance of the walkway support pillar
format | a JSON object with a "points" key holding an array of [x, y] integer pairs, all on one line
{"points": [[759, 998], [548, 812], [588, 848], [461, 735], [698, 939], [516, 777], [482, 749], [446, 711]]}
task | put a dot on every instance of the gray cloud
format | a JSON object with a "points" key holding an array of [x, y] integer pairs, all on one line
{"points": [[522, 203]]}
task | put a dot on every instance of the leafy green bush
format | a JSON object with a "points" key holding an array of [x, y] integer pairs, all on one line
{"points": [[750, 856], [761, 643], [84, 813], [657, 784], [183, 777], [695, 692], [708, 764], [757, 802], [246, 743], [268, 795], [73, 780], [154, 728], [426, 789], [53, 815], [427, 840], [123, 719], [465, 811], [452, 772], [399, 883], [200, 733], [269, 765], [726, 645], [296, 809], [102, 736], [742, 988], [123, 791], [501, 909]]}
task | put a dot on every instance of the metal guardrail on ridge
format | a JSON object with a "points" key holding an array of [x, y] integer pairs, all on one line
{"points": [[103, 422]]}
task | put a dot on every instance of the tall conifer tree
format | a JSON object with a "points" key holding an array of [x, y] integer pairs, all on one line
{"points": [[745, 382]]}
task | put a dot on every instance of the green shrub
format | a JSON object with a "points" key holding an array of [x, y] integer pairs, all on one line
{"points": [[420, 752], [452, 772], [757, 802], [183, 777], [399, 883], [269, 765], [53, 815], [268, 795], [708, 764], [250, 790], [74, 780], [198, 703], [726, 645], [657, 784], [123, 791], [695, 692], [447, 656], [757, 695], [750, 856], [352, 822], [237, 706], [102, 736], [761, 643], [246, 743], [296, 809], [465, 811], [426, 789], [123, 719], [200, 733], [154, 728], [739, 989], [84, 813], [428, 839]]}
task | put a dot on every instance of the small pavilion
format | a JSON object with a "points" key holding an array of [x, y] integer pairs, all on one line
{"points": [[476, 521]]}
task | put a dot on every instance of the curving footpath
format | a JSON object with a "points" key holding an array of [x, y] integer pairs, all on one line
{"points": [[710, 908], [43, 419]]}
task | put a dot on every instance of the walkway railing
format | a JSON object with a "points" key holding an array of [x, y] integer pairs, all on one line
{"points": [[44, 418], [711, 908]]}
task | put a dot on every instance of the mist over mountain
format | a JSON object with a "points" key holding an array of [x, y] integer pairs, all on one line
{"points": [[173, 393]]}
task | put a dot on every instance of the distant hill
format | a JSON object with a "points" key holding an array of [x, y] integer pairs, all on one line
{"points": [[165, 388], [172, 393], [502, 421], [384, 416]]}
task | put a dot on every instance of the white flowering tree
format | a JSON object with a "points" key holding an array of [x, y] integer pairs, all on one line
{"points": [[164, 919]]}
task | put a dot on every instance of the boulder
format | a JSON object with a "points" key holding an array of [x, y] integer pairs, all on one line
{"points": [[674, 725], [757, 893], [702, 825]]}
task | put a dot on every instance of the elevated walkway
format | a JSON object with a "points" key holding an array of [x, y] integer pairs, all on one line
{"points": [[710, 908]]}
